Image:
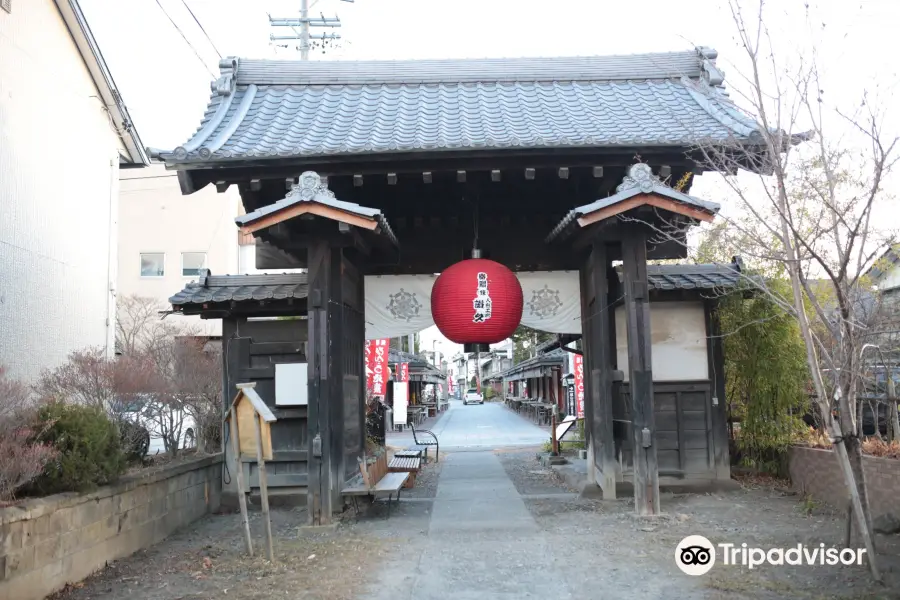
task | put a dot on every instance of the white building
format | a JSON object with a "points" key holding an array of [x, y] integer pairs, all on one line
{"points": [[64, 135], [165, 238]]}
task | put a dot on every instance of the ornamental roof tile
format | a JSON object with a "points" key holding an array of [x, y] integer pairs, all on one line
{"points": [[263, 109]]}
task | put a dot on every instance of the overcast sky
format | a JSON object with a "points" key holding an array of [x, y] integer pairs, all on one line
{"points": [[166, 86]]}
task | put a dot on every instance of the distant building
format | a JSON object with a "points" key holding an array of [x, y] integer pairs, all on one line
{"points": [[65, 133]]}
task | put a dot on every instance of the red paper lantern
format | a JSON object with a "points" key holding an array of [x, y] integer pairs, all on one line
{"points": [[477, 302]]}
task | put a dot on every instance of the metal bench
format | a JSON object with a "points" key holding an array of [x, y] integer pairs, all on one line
{"points": [[426, 442], [390, 484]]}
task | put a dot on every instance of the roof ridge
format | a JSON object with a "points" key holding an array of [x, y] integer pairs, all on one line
{"points": [[695, 64]]}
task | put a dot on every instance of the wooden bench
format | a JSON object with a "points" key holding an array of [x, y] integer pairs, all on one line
{"points": [[406, 464], [388, 483]]}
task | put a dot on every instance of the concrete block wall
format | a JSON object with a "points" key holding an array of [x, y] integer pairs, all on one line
{"points": [[46, 543], [815, 472]]}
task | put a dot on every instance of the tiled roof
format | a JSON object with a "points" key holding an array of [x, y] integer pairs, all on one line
{"points": [[691, 277], [639, 180], [279, 109], [227, 288], [311, 188]]}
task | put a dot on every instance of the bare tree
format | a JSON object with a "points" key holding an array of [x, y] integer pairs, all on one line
{"points": [[181, 402], [809, 211], [199, 381], [21, 460], [806, 190]]}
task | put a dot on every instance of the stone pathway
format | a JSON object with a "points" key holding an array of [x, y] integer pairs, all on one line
{"points": [[482, 542]]}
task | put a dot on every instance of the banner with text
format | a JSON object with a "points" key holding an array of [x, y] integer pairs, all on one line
{"points": [[376, 365], [579, 384]]}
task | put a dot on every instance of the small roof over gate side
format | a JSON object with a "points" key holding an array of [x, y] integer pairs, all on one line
{"points": [[312, 196], [266, 110], [640, 187]]}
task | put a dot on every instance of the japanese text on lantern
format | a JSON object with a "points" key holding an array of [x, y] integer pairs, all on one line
{"points": [[482, 301], [579, 383], [404, 373], [376, 365]]}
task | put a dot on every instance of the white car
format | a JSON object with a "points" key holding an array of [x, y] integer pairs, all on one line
{"points": [[160, 420], [472, 397]]}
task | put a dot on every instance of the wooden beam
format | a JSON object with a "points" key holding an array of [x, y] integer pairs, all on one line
{"points": [[222, 186], [643, 428], [255, 185], [598, 367], [598, 172], [310, 208], [289, 182], [643, 200], [426, 177], [460, 176], [392, 179], [529, 173], [563, 172], [357, 180], [358, 242], [495, 175], [665, 171]]}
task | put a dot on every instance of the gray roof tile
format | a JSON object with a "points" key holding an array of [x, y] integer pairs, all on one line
{"points": [[272, 109], [311, 188], [692, 277], [227, 288], [639, 180]]}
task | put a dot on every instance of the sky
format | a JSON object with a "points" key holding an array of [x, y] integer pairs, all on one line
{"points": [[164, 79]]}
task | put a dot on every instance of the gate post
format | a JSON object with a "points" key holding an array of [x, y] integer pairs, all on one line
{"points": [[637, 319], [597, 342]]}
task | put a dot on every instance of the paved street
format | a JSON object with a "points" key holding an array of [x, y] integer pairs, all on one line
{"points": [[486, 426]]}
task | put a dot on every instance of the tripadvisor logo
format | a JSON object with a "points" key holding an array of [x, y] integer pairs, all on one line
{"points": [[696, 555]]}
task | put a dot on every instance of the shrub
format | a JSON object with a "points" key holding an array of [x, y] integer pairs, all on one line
{"points": [[134, 440], [90, 452], [20, 460]]}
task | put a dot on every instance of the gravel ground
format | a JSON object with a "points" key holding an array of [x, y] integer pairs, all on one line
{"points": [[759, 514], [208, 561]]}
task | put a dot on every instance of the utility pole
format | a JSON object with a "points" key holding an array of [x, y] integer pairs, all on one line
{"points": [[304, 23]]}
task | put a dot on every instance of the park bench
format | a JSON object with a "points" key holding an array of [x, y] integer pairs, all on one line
{"points": [[387, 483], [406, 464], [425, 443]]}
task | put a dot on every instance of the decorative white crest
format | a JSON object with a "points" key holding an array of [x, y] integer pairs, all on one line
{"points": [[640, 176]]}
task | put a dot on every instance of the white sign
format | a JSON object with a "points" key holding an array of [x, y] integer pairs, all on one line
{"points": [[401, 401], [291, 384]]}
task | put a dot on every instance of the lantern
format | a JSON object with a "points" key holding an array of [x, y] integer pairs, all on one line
{"points": [[477, 302]]}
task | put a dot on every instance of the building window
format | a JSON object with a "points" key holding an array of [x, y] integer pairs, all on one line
{"points": [[191, 263], [153, 264]]}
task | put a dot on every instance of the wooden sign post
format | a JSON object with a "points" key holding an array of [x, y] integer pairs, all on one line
{"points": [[249, 413]]}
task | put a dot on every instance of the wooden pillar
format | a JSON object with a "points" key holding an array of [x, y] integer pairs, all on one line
{"points": [[324, 419], [716, 350], [598, 370], [637, 319]]}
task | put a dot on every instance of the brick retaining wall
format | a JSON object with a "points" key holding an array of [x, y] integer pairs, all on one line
{"points": [[48, 542], [815, 472]]}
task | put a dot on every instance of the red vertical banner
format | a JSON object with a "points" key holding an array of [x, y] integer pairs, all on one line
{"points": [[449, 384], [370, 364], [579, 384], [404, 373], [379, 366]]}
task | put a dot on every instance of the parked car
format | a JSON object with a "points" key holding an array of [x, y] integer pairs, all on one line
{"points": [[473, 397], [159, 419]]}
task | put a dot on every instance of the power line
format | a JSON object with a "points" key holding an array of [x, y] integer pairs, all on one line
{"points": [[304, 23], [197, 21], [184, 37]]}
